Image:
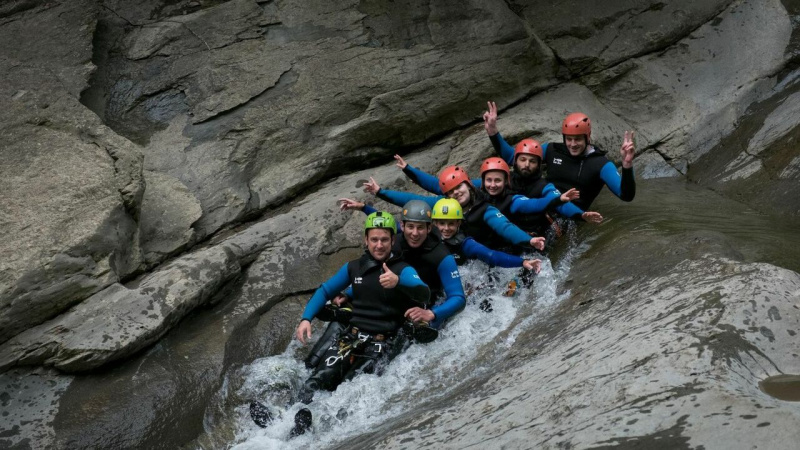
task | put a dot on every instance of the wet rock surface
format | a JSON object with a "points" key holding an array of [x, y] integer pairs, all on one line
{"points": [[669, 355], [165, 160]]}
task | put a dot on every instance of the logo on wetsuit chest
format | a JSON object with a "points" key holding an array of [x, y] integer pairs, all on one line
{"points": [[556, 160], [357, 280]]}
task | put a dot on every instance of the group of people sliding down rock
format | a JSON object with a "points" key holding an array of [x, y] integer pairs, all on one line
{"points": [[407, 284]]}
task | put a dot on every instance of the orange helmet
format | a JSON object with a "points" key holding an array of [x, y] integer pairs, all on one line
{"points": [[495, 163], [451, 177], [528, 147], [577, 123]]}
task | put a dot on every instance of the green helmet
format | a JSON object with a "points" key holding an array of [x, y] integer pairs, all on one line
{"points": [[416, 211], [447, 209], [380, 219]]}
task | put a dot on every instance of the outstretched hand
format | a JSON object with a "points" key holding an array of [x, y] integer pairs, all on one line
{"points": [[533, 264], [388, 279], [348, 204], [628, 150], [570, 195], [592, 217], [400, 162], [538, 243], [490, 119], [303, 331], [371, 186]]}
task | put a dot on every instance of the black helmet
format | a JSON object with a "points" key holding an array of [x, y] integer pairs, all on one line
{"points": [[416, 211]]}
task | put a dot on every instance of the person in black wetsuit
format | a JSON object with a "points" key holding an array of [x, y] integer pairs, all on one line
{"points": [[497, 188], [447, 216], [482, 221], [385, 288], [575, 162], [434, 263]]}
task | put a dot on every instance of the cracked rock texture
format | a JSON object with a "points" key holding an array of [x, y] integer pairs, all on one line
{"points": [[164, 159], [667, 357]]}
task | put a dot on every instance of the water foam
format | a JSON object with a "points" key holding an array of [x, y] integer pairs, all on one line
{"points": [[467, 347]]}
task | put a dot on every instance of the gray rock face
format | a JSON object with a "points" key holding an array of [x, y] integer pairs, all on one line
{"points": [[168, 212], [671, 360], [274, 97], [680, 101], [29, 401], [589, 37], [70, 189], [119, 321], [131, 131]]}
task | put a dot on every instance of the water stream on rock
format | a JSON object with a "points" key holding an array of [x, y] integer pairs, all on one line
{"points": [[468, 346], [472, 344]]}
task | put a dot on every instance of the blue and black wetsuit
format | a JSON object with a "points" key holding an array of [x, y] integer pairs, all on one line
{"points": [[464, 248], [438, 269], [587, 173], [525, 204], [483, 222], [377, 315]]}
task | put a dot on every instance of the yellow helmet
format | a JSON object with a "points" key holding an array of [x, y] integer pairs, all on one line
{"points": [[447, 209]]}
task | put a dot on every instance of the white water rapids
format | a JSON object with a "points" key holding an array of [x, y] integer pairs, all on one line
{"points": [[467, 347]]}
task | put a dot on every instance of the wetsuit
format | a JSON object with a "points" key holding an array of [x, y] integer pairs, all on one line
{"points": [[482, 221], [525, 204], [464, 248], [438, 269], [365, 345], [587, 173]]}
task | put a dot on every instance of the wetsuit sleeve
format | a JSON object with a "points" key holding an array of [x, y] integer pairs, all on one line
{"points": [[423, 179], [524, 205], [503, 148], [544, 150], [503, 227], [401, 198], [411, 285], [325, 292], [451, 282], [473, 249], [623, 187], [569, 210], [628, 187]]}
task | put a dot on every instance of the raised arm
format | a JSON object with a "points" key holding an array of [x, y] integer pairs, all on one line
{"points": [[396, 197], [623, 186], [419, 177]]}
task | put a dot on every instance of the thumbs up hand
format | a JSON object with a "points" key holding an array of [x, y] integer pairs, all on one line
{"points": [[388, 279]]}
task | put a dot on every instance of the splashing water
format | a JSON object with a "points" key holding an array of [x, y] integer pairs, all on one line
{"points": [[467, 347]]}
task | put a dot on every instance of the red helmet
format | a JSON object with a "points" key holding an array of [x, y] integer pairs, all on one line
{"points": [[528, 147], [451, 177], [495, 163], [577, 123]]}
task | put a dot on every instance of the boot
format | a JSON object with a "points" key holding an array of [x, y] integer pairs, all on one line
{"points": [[302, 422], [260, 414]]}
